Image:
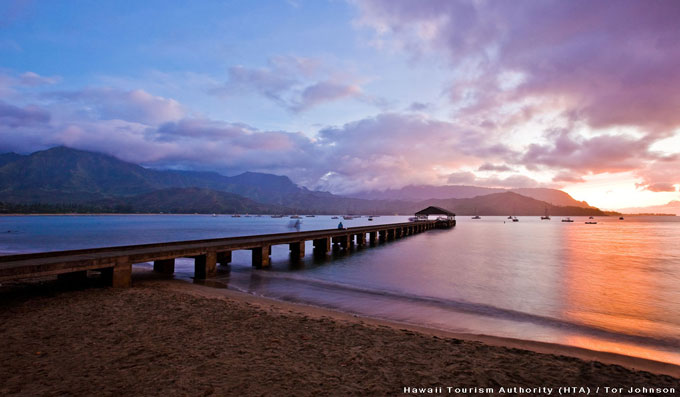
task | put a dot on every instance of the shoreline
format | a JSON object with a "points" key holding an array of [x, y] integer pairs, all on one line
{"points": [[172, 337], [632, 362]]}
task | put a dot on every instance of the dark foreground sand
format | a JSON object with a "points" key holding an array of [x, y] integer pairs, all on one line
{"points": [[173, 338]]}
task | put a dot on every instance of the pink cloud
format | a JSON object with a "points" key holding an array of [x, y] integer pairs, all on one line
{"points": [[661, 187], [660, 175], [568, 177], [612, 72]]}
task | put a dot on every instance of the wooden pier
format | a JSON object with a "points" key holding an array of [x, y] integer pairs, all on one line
{"points": [[115, 263]]}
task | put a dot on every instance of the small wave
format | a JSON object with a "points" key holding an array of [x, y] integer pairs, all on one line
{"points": [[461, 306]]}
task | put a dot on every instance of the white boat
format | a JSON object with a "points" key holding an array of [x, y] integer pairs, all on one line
{"points": [[567, 219]]}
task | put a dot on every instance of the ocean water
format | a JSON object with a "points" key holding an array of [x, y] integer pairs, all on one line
{"points": [[613, 286]]}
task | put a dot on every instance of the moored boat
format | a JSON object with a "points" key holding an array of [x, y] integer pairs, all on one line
{"points": [[545, 217]]}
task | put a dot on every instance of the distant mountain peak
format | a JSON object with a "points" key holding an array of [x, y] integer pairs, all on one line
{"points": [[9, 157], [427, 192]]}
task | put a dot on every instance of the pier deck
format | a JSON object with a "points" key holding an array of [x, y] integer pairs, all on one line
{"points": [[115, 263]]}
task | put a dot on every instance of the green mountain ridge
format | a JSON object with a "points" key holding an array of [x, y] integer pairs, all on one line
{"points": [[507, 203], [69, 180]]}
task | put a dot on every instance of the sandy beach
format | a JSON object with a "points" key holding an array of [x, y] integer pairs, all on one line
{"points": [[169, 337]]}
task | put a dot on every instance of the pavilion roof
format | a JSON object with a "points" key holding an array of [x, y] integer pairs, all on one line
{"points": [[432, 210]]}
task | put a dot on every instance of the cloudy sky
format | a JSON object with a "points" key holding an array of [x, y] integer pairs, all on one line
{"points": [[356, 95]]}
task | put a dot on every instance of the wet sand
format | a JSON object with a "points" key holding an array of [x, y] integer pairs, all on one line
{"points": [[169, 337]]}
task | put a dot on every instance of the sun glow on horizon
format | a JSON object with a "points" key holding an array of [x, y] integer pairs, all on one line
{"points": [[615, 191]]}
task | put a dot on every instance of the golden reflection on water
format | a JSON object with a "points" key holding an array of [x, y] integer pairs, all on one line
{"points": [[623, 349], [612, 276]]}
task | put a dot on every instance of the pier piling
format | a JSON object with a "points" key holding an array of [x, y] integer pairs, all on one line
{"points": [[224, 258], [261, 256], [297, 250], [322, 245], [205, 266], [120, 275], [165, 266]]}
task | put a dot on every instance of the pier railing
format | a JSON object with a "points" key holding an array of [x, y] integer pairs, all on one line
{"points": [[115, 263]]}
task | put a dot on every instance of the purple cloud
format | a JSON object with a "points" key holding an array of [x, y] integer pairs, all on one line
{"points": [[605, 72], [110, 104], [599, 154], [270, 83], [461, 178], [574, 63], [513, 181], [325, 91], [392, 150], [296, 84], [418, 106], [14, 116], [494, 167]]}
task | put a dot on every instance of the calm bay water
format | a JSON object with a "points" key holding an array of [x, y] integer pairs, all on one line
{"points": [[614, 286]]}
